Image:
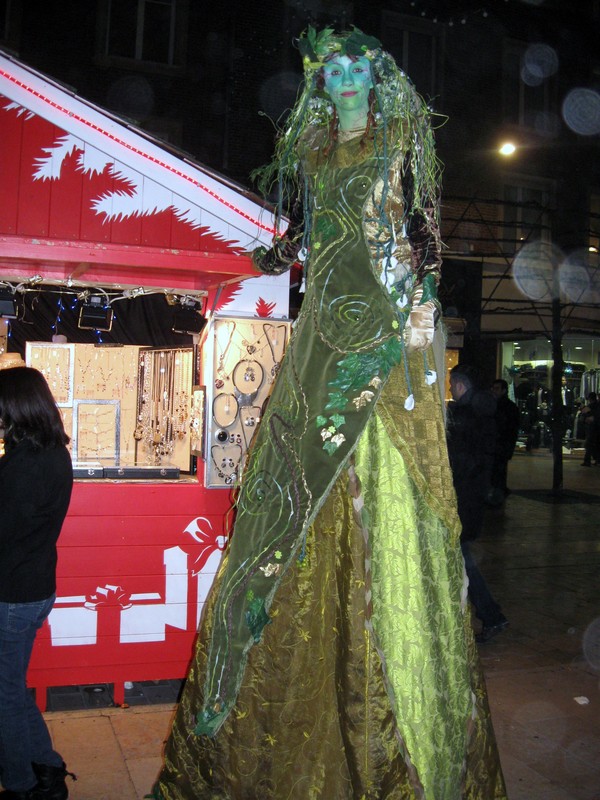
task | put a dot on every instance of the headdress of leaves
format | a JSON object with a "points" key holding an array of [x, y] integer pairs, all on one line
{"points": [[397, 100], [316, 48]]}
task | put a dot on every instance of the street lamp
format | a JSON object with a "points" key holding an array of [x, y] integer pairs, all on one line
{"points": [[507, 149]]}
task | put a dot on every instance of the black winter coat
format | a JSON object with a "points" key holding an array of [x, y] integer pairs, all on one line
{"points": [[507, 428], [35, 489], [471, 433]]}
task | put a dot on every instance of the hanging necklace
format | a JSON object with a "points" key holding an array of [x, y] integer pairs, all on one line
{"points": [[227, 460], [255, 346], [221, 359], [247, 376], [225, 409], [251, 346], [181, 398], [277, 339]]}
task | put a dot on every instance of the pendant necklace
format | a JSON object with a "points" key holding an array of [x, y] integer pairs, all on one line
{"points": [[277, 340], [247, 376], [221, 371], [227, 460], [225, 409]]}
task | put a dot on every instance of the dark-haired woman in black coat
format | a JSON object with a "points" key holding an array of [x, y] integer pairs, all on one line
{"points": [[36, 478]]}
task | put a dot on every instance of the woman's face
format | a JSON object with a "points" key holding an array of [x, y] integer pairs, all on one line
{"points": [[348, 83]]}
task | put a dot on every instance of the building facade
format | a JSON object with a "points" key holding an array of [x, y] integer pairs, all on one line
{"points": [[522, 231]]}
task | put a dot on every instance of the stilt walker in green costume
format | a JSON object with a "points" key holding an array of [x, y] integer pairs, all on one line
{"points": [[336, 659]]}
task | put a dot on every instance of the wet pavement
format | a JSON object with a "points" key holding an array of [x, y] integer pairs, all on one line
{"points": [[541, 556]]}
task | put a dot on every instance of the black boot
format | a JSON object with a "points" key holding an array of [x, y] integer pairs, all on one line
{"points": [[51, 783]]}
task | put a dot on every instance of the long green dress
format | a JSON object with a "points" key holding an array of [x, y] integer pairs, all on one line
{"points": [[336, 659]]}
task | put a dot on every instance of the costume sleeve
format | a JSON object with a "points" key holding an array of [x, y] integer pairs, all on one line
{"points": [[283, 253], [422, 231], [420, 251], [403, 235]]}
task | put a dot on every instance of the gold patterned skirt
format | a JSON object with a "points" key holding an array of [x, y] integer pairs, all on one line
{"points": [[366, 683]]}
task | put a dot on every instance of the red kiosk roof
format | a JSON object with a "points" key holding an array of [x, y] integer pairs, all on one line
{"points": [[85, 196]]}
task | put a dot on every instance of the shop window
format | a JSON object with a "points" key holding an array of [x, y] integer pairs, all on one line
{"points": [[414, 44], [4, 19], [10, 23], [146, 32], [167, 130], [526, 216], [526, 90]]}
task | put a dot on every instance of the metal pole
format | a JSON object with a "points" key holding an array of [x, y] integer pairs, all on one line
{"points": [[557, 403]]}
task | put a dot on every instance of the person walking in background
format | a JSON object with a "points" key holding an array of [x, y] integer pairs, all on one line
{"points": [[567, 396], [507, 432], [471, 434], [36, 478], [591, 420]]}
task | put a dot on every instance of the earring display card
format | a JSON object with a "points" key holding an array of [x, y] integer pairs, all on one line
{"points": [[243, 357], [56, 362], [86, 381], [96, 430]]}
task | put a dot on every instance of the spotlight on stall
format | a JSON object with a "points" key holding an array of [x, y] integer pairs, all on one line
{"points": [[188, 317], [95, 314], [8, 304]]}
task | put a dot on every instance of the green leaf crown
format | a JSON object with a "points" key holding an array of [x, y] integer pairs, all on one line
{"points": [[317, 47]]}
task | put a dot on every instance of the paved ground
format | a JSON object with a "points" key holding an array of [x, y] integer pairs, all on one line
{"points": [[541, 555]]}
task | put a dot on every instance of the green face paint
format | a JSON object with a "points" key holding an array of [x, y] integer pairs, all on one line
{"points": [[348, 83]]}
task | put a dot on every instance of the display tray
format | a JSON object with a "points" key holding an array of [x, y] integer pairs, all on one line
{"points": [[139, 472], [93, 471]]}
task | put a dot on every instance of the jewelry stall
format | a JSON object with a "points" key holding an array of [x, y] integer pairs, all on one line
{"points": [[103, 214], [155, 457]]}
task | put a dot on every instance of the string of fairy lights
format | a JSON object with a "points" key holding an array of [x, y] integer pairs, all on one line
{"points": [[17, 299], [461, 16]]}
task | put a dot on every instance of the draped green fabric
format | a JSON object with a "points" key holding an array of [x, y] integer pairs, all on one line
{"points": [[418, 616], [336, 659], [320, 713], [343, 346]]}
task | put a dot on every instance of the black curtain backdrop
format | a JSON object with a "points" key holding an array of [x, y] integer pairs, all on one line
{"points": [[145, 320]]}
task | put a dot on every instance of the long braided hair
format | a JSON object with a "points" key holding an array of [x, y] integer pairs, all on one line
{"points": [[393, 99]]}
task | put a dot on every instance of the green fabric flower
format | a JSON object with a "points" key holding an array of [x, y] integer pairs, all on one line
{"points": [[257, 617]]}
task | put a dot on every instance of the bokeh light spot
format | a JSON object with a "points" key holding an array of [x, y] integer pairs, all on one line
{"points": [[539, 62], [579, 277], [581, 111], [533, 269], [591, 644]]}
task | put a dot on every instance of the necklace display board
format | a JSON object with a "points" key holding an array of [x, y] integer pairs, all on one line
{"points": [[242, 361], [164, 407]]}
